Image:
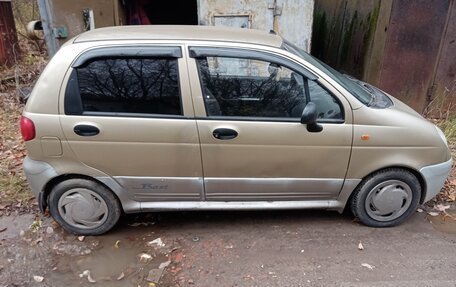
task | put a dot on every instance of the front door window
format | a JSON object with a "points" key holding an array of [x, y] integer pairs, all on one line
{"points": [[250, 88]]}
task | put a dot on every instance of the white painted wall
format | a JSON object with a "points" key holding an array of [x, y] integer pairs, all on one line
{"points": [[294, 23]]}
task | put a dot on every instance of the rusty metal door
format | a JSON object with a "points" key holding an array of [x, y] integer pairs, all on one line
{"points": [[9, 48], [412, 48], [442, 91]]}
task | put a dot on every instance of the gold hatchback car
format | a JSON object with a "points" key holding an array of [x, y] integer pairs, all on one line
{"points": [[152, 118]]}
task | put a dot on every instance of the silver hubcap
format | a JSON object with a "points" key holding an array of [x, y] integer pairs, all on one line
{"points": [[388, 200], [83, 208]]}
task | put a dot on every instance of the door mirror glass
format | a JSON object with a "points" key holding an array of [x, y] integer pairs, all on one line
{"points": [[309, 118]]}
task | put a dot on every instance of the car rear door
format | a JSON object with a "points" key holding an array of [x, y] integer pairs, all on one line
{"points": [[127, 111], [248, 106]]}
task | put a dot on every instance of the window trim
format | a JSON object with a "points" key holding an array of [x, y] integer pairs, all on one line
{"points": [[73, 101], [267, 119], [127, 52], [133, 115], [202, 52], [198, 52]]}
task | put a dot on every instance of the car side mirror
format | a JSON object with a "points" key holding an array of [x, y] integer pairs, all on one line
{"points": [[309, 118]]}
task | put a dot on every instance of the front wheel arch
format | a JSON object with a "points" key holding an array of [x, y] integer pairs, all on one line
{"points": [[415, 172], [360, 201]]}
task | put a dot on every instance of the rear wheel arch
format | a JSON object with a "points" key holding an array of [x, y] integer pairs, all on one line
{"points": [[61, 178]]}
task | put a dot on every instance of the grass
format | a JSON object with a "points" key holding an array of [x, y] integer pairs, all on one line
{"points": [[15, 195], [14, 192], [449, 128]]}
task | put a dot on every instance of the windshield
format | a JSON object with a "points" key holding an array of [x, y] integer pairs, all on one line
{"points": [[358, 89]]}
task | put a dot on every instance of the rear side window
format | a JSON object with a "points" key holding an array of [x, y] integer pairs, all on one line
{"points": [[129, 86]]}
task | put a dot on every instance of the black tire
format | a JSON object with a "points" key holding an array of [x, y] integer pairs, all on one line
{"points": [[369, 186], [111, 208]]}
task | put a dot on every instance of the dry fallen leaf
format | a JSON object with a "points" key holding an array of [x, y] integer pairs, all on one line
{"points": [[121, 276], [156, 242], [441, 207], [38, 278], [371, 267], [144, 257], [116, 245], [164, 264], [360, 246], [90, 279], [88, 275]]}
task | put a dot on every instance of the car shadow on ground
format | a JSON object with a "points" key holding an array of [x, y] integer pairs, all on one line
{"points": [[182, 219]]}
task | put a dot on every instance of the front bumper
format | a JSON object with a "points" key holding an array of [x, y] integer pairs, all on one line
{"points": [[435, 176], [38, 174]]}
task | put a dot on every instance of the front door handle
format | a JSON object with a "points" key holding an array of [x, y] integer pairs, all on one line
{"points": [[86, 130], [224, 134]]}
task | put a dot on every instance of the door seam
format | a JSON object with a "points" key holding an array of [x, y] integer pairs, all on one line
{"points": [[203, 194]]}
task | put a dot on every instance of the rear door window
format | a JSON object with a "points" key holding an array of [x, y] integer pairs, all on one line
{"points": [[126, 86]]}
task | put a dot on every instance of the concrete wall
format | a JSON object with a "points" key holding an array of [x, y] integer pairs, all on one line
{"points": [[294, 22], [293, 18], [68, 15]]}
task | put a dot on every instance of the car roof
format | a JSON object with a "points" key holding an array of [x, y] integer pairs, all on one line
{"points": [[178, 32]]}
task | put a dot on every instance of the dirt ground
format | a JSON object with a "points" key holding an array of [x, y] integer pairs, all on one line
{"points": [[286, 248]]}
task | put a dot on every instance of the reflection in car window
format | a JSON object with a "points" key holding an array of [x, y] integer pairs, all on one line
{"points": [[239, 87], [361, 94], [236, 87], [125, 85], [327, 106]]}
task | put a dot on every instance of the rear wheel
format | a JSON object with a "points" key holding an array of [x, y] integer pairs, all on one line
{"points": [[386, 198], [84, 207]]}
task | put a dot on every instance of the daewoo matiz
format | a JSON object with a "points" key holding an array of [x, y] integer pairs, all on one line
{"points": [[150, 118]]}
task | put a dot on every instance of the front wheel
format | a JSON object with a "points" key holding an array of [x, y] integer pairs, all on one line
{"points": [[84, 207], [386, 198]]}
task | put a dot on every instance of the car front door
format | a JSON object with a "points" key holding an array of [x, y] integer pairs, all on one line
{"points": [[248, 107], [128, 112]]}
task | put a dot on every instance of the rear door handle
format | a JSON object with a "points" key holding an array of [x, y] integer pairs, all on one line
{"points": [[86, 130], [224, 134]]}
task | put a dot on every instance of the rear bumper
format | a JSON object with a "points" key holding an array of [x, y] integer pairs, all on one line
{"points": [[38, 174], [435, 176]]}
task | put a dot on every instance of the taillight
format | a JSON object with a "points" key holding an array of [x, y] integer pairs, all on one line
{"points": [[27, 129]]}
